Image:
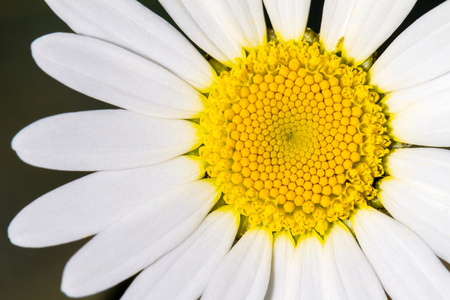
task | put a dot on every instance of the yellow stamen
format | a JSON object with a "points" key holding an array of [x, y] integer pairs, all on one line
{"points": [[294, 137]]}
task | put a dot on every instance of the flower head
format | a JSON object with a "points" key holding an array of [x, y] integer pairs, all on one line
{"points": [[286, 165]]}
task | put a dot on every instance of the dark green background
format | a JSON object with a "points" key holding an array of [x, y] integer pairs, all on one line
{"points": [[26, 95]]}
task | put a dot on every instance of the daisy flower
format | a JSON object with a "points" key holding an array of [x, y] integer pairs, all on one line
{"points": [[285, 164]]}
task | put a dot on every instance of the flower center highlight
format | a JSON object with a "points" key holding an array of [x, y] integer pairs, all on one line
{"points": [[294, 137]]}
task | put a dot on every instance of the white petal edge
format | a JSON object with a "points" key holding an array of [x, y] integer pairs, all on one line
{"points": [[399, 100], [417, 55], [184, 272], [425, 122], [371, 24], [249, 19], [88, 205], [138, 239], [104, 140], [186, 22], [332, 283], [426, 165], [347, 270], [422, 174], [114, 75], [283, 252], [335, 19], [288, 17], [208, 16], [216, 19], [129, 24], [424, 209], [244, 272], [305, 271], [406, 267]]}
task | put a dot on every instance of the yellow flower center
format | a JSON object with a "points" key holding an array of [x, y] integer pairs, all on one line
{"points": [[294, 137]]}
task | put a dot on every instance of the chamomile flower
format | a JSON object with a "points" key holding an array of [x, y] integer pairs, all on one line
{"points": [[285, 165]]}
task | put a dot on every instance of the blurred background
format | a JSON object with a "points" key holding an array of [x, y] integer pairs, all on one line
{"points": [[27, 94]]}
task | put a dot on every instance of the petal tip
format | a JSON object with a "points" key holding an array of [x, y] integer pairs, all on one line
{"points": [[14, 234], [19, 145], [70, 284], [19, 233]]}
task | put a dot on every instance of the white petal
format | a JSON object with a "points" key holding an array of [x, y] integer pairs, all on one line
{"points": [[116, 76], [128, 24], [220, 25], [335, 19], [344, 260], [417, 55], [422, 208], [417, 194], [188, 24], [427, 165], [399, 100], [288, 17], [248, 17], [88, 205], [283, 252], [138, 239], [407, 268], [305, 271], [185, 271], [370, 25], [364, 25], [425, 122], [103, 140], [332, 285], [244, 273], [215, 20]]}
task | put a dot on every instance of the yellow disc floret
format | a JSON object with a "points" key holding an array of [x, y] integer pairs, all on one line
{"points": [[294, 137]]}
